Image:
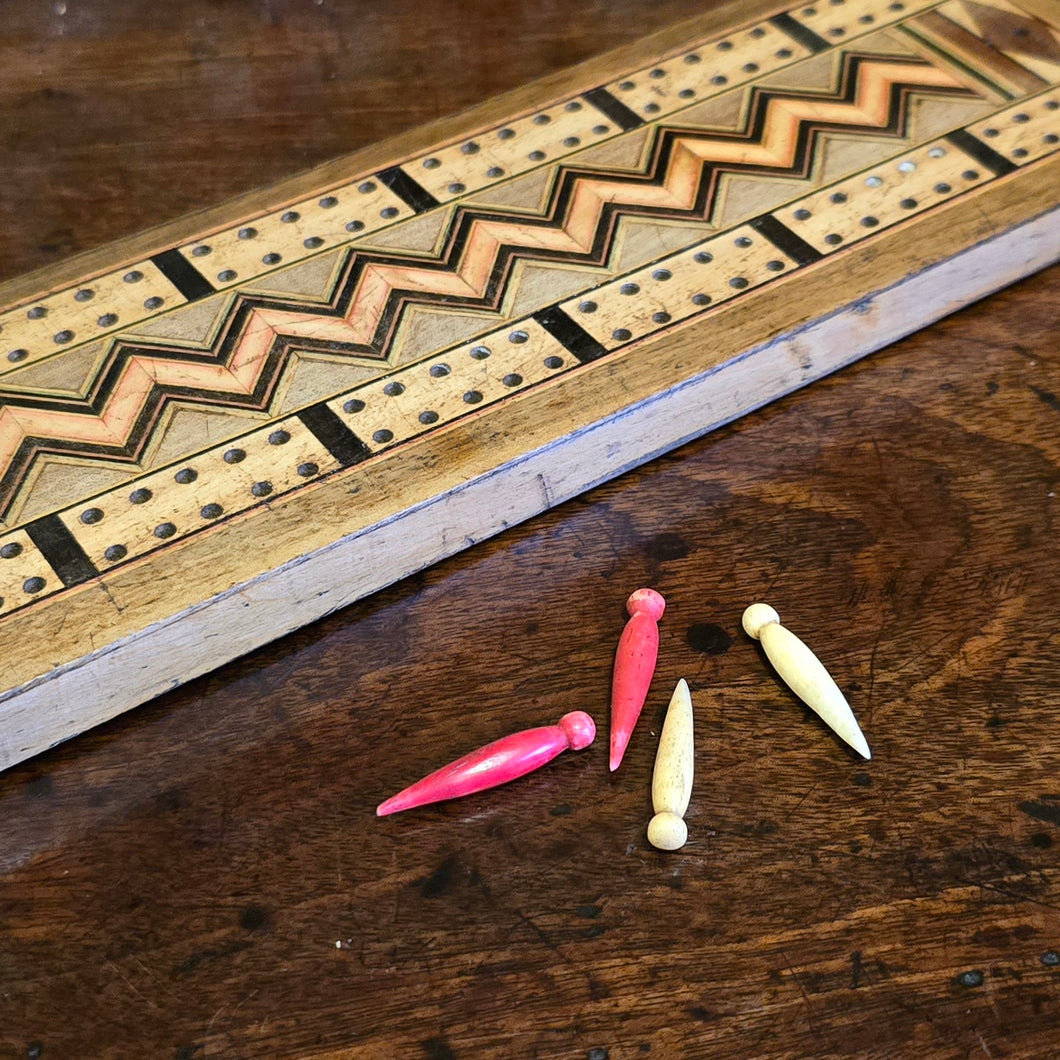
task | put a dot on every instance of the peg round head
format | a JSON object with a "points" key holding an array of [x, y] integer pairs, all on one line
{"points": [[646, 602], [667, 831], [757, 616], [579, 729]]}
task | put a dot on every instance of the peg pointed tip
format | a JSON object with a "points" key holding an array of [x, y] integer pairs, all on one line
{"points": [[619, 743], [860, 744]]}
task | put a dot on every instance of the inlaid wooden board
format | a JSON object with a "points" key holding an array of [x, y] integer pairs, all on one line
{"points": [[221, 430]]}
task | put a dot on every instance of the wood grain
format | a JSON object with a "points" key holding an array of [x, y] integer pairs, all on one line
{"points": [[451, 319], [205, 876]]}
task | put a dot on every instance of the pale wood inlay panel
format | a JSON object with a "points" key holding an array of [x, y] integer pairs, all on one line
{"points": [[265, 243], [677, 287], [884, 195], [1025, 132], [167, 505], [444, 387], [838, 21], [526, 143], [25, 574], [707, 70], [70, 317]]}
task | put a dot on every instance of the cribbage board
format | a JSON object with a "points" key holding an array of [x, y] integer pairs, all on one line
{"points": [[219, 431]]}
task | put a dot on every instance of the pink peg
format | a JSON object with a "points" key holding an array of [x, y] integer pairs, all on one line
{"points": [[638, 648], [498, 762]]}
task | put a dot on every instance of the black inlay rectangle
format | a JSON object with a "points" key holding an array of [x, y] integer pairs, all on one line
{"points": [[406, 189], [798, 32], [615, 109], [982, 153], [570, 334], [783, 238], [334, 435], [61, 549], [183, 275]]}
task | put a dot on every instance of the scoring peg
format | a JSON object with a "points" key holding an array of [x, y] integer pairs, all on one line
{"points": [[505, 759], [635, 657], [671, 782], [804, 674]]}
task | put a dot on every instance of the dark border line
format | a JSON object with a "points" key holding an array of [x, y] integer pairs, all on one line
{"points": [[407, 190], [183, 275], [61, 549], [800, 33], [984, 154], [784, 239], [570, 334], [615, 109], [333, 434]]}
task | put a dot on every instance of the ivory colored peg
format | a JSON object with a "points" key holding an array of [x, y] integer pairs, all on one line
{"points": [[671, 782], [635, 657], [498, 762], [804, 673]]}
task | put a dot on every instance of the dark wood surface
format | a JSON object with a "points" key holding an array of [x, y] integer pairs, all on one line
{"points": [[205, 876]]}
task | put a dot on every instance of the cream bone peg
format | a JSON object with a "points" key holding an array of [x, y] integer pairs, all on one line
{"points": [[671, 782], [804, 674]]}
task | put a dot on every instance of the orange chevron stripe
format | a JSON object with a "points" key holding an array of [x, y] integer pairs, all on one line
{"points": [[777, 148]]}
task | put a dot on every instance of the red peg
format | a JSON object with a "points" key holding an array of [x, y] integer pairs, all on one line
{"points": [[498, 762], [638, 648]]}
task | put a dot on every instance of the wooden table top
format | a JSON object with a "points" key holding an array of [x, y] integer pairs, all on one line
{"points": [[205, 876]]}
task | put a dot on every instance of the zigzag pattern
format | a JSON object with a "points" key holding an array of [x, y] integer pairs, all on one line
{"points": [[245, 363]]}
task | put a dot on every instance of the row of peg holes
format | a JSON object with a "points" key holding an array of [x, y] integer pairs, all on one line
{"points": [[209, 512], [693, 59], [185, 477], [700, 298], [328, 202], [865, 20], [84, 294], [472, 147], [758, 32], [876, 181], [1021, 118], [31, 586], [439, 370]]}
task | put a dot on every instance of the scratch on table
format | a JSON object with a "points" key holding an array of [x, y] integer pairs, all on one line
{"points": [[117, 971]]}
